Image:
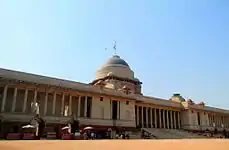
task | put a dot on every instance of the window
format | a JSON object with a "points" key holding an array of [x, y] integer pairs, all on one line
{"points": [[101, 99], [127, 102], [89, 106]]}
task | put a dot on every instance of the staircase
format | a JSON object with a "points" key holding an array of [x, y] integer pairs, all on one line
{"points": [[171, 133], [186, 134], [137, 135]]}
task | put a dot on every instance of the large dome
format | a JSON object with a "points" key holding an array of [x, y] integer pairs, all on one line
{"points": [[117, 67], [116, 60]]}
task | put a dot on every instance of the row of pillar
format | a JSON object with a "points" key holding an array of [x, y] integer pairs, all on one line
{"points": [[218, 121], [159, 118], [45, 104]]}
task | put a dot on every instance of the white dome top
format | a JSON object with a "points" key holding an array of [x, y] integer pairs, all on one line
{"points": [[117, 67], [116, 60]]}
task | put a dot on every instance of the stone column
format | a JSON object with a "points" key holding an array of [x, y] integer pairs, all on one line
{"points": [[218, 121], [137, 115], [147, 118], [160, 123], [227, 121], [167, 118], [62, 105], [70, 105], [214, 120], [211, 120], [111, 109], [218, 118], [175, 119], [14, 100], [4, 98], [79, 99], [35, 97], [142, 118], [118, 107], [164, 118], [178, 117], [155, 117], [54, 104], [46, 101], [151, 115], [25, 100], [85, 107], [171, 118], [223, 121]]}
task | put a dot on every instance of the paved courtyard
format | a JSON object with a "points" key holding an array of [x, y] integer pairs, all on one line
{"points": [[117, 145]]}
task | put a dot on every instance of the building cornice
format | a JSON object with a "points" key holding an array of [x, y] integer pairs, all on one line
{"points": [[117, 78], [44, 80]]}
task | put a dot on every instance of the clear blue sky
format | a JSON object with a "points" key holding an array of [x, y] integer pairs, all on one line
{"points": [[173, 46]]}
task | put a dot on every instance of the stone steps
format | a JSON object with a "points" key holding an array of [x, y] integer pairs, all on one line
{"points": [[171, 133]]}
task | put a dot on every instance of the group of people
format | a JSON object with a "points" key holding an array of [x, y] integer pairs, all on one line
{"points": [[91, 135], [122, 136]]}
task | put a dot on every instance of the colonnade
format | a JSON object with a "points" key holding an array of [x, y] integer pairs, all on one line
{"points": [[148, 117], [218, 121], [34, 101]]}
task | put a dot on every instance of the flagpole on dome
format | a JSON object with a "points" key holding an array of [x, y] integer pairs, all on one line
{"points": [[114, 47]]}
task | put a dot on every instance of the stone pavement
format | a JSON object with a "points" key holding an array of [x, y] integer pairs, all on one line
{"points": [[201, 144]]}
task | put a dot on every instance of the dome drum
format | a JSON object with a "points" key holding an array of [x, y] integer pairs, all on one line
{"points": [[115, 71]]}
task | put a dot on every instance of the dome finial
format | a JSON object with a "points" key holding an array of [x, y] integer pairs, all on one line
{"points": [[114, 47]]}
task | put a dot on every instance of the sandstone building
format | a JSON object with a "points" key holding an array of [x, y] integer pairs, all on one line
{"points": [[113, 100]]}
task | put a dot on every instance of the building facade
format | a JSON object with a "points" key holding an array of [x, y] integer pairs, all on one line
{"points": [[113, 100]]}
